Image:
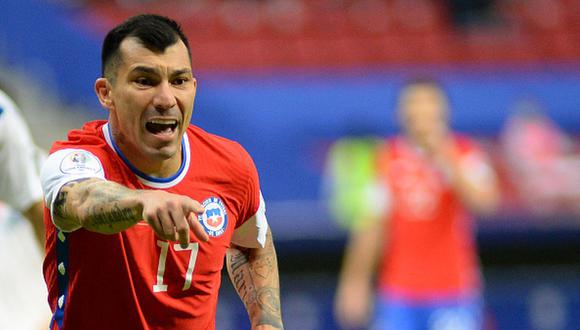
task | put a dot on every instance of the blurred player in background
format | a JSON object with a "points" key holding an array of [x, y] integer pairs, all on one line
{"points": [[22, 292], [421, 247], [129, 245], [20, 161]]}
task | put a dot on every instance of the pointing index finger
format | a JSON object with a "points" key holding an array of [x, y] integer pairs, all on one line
{"points": [[197, 207], [197, 228]]}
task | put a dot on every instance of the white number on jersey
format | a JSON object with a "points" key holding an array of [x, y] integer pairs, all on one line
{"points": [[193, 247]]}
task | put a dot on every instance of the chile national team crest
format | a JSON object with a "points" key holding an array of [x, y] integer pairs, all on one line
{"points": [[215, 217]]}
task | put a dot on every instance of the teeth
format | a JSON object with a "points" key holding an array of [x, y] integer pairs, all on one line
{"points": [[163, 121]]}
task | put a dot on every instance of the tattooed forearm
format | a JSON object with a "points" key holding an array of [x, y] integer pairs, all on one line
{"points": [[254, 274], [62, 215], [269, 302], [96, 205], [241, 279], [60, 203], [110, 218]]}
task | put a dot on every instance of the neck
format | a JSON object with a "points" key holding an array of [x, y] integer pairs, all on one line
{"points": [[158, 169], [142, 165]]}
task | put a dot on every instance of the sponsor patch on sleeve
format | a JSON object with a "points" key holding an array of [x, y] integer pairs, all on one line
{"points": [[80, 162]]}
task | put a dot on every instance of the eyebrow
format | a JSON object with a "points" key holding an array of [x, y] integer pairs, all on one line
{"points": [[145, 69], [150, 70], [181, 71]]}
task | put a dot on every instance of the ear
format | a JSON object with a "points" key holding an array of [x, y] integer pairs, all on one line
{"points": [[194, 88], [194, 91], [104, 91]]}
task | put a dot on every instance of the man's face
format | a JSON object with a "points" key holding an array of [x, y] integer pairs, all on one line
{"points": [[151, 102], [423, 112]]}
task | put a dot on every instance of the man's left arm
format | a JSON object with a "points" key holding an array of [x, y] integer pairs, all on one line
{"points": [[254, 273]]}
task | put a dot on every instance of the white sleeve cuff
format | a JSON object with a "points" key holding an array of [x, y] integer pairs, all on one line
{"points": [[252, 233]]}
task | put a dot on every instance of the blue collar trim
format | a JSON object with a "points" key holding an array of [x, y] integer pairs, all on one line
{"points": [[143, 175]]}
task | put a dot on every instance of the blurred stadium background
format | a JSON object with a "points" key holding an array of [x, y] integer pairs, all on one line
{"points": [[286, 78]]}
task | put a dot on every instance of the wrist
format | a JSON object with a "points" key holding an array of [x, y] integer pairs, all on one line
{"points": [[448, 164], [138, 200], [265, 327], [263, 319], [268, 326]]}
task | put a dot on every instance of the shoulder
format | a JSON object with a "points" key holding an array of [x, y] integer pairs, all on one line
{"points": [[89, 137], [217, 148], [9, 112], [14, 132], [85, 146], [84, 154], [210, 139], [466, 144], [6, 104], [391, 146]]}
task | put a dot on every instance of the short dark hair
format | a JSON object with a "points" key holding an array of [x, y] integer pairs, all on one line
{"points": [[154, 32], [423, 81]]}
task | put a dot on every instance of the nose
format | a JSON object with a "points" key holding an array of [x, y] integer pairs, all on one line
{"points": [[164, 98]]}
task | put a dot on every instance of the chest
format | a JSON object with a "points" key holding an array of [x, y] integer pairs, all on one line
{"points": [[412, 173], [419, 189], [162, 265]]}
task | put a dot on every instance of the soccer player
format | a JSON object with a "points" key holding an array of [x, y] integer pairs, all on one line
{"points": [[20, 161], [22, 298], [143, 208], [422, 247]]}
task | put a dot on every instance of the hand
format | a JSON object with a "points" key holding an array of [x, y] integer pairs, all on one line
{"points": [[353, 305], [172, 216], [438, 144], [440, 148]]}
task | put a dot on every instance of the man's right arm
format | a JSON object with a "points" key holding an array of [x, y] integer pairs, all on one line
{"points": [[107, 207], [96, 205], [353, 304], [354, 294], [79, 196]]}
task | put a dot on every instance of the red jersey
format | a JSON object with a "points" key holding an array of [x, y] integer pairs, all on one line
{"points": [[429, 251], [133, 279]]}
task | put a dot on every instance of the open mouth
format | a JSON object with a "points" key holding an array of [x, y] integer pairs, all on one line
{"points": [[161, 126]]}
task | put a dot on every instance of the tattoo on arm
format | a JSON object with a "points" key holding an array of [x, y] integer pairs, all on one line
{"points": [[60, 202], [269, 300], [241, 279], [96, 205], [254, 274], [62, 216], [108, 217]]}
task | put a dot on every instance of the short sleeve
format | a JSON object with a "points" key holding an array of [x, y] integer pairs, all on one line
{"points": [[253, 224], [253, 195], [20, 159], [67, 165]]}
